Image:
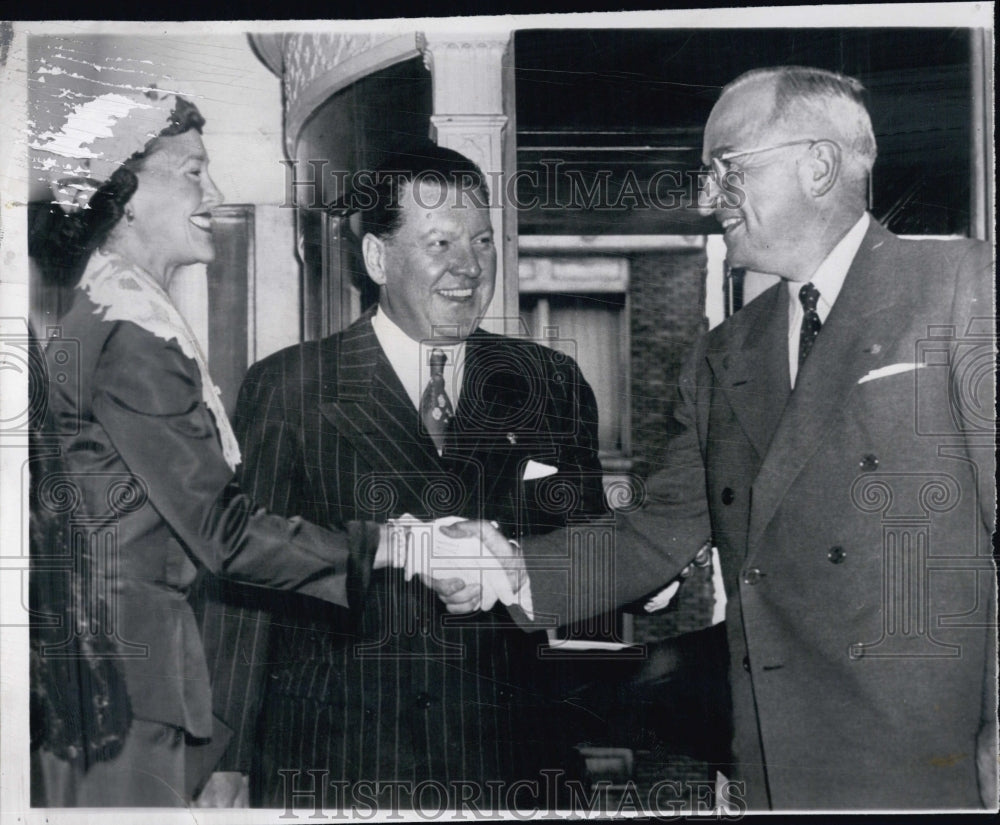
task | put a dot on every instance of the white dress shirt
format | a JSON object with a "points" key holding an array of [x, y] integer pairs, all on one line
{"points": [[828, 279], [410, 360]]}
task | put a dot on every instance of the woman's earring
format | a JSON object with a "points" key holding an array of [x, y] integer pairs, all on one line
{"points": [[129, 215]]}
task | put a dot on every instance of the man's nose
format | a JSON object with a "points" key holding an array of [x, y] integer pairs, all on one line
{"points": [[466, 262], [709, 194]]}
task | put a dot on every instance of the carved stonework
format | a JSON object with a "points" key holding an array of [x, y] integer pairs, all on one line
{"points": [[477, 137], [315, 65], [466, 71], [308, 56]]}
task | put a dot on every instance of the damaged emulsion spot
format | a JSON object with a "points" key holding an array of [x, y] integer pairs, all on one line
{"points": [[6, 38], [948, 761], [80, 102]]}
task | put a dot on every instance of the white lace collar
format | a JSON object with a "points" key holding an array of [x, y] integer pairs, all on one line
{"points": [[126, 292]]}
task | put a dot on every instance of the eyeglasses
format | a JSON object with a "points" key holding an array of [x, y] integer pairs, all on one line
{"points": [[720, 167]]}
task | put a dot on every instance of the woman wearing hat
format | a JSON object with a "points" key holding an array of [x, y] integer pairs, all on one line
{"points": [[139, 486]]}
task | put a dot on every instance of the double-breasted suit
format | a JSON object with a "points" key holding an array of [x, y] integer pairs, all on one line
{"points": [[853, 518], [396, 688]]}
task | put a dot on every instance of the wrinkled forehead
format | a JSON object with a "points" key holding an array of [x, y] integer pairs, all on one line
{"points": [[446, 204], [740, 120]]}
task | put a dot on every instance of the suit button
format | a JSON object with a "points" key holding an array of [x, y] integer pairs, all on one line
{"points": [[753, 576], [728, 496], [868, 462], [836, 554], [746, 663], [423, 700], [369, 713]]}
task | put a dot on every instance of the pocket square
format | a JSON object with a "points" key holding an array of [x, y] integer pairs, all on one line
{"points": [[892, 369], [536, 469]]}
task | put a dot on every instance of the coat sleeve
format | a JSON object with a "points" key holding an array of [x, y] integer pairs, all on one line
{"points": [[973, 389], [579, 459], [149, 402], [595, 566], [973, 370]]}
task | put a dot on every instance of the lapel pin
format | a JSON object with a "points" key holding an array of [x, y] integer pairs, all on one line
{"points": [[512, 438], [874, 349]]}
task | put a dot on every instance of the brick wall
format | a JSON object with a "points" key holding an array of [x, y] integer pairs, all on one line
{"points": [[667, 300]]}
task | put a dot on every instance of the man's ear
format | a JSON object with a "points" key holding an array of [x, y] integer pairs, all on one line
{"points": [[373, 251], [823, 167]]}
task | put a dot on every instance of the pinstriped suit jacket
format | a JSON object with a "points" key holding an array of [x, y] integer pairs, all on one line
{"points": [[405, 690]]}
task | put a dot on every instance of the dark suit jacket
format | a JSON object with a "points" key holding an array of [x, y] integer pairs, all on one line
{"points": [[142, 475], [853, 518], [329, 431]]}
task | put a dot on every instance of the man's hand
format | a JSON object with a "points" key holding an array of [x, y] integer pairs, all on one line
{"points": [[457, 596], [506, 552]]}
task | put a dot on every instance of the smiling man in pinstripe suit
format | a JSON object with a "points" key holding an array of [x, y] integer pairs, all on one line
{"points": [[412, 683]]}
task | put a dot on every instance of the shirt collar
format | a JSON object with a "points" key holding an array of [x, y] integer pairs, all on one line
{"points": [[410, 359], [829, 276]]}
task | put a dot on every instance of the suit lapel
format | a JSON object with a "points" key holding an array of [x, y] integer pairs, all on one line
{"points": [[752, 369], [478, 437], [855, 339], [372, 411]]}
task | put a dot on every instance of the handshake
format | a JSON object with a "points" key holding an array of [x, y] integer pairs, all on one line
{"points": [[470, 565]]}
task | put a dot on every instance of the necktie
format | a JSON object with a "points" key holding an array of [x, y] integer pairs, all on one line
{"points": [[809, 296], [435, 407]]}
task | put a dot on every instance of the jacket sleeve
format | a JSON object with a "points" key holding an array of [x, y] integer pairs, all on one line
{"points": [[595, 566], [579, 457], [148, 400], [973, 390]]}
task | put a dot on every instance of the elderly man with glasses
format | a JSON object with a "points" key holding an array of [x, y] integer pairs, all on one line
{"points": [[838, 431]]}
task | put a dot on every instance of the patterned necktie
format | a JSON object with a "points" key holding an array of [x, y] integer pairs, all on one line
{"points": [[435, 407], [809, 296]]}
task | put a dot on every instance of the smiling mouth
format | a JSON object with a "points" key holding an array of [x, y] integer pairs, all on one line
{"points": [[730, 223], [456, 294], [202, 220]]}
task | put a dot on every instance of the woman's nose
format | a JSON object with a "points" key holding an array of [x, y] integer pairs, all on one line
{"points": [[213, 195]]}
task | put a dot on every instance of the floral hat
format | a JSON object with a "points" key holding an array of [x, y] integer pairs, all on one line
{"points": [[98, 136]]}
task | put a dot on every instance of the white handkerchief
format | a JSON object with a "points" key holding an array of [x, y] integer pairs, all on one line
{"points": [[666, 595], [892, 369], [536, 469], [718, 589], [663, 598]]}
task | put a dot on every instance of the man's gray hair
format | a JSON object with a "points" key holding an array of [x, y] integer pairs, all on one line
{"points": [[806, 98]]}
